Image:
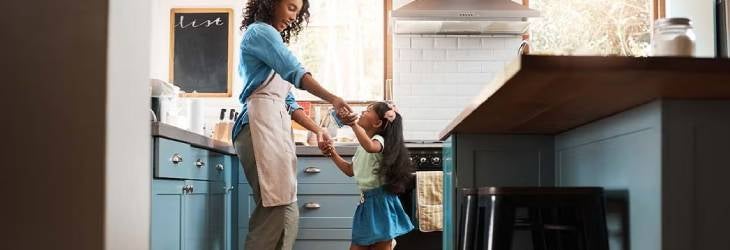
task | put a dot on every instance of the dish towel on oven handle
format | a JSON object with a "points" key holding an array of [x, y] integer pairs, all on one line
{"points": [[429, 200]]}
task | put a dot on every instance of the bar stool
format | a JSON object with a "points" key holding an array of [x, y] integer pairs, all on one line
{"points": [[560, 218]]}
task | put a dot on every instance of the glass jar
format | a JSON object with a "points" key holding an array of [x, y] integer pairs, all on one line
{"points": [[673, 37]]}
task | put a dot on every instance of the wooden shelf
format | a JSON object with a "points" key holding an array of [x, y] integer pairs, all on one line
{"points": [[553, 94]]}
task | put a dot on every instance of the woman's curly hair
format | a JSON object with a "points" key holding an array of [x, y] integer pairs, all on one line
{"points": [[263, 11]]}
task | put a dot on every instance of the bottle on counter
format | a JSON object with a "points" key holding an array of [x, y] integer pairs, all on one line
{"points": [[673, 37]]}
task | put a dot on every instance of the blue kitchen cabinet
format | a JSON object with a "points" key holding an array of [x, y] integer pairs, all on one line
{"points": [[204, 216], [167, 214], [193, 205], [244, 208], [189, 215]]}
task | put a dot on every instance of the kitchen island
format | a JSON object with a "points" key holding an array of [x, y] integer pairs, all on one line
{"points": [[654, 132]]}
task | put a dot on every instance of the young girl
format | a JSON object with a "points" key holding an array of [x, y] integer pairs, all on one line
{"points": [[382, 170]]}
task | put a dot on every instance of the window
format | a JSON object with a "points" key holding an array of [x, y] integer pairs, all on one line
{"points": [[343, 46], [595, 27]]}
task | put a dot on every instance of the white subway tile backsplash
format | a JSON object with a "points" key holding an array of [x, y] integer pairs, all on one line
{"points": [[468, 55], [423, 90], [470, 77], [432, 113], [402, 89], [494, 67], [445, 43], [506, 55], [469, 43], [402, 42], [434, 55], [425, 125], [472, 67], [401, 67], [493, 43], [410, 78], [446, 100], [421, 43], [422, 135], [422, 67], [410, 54], [512, 42], [469, 90], [445, 67], [432, 78], [436, 76]]}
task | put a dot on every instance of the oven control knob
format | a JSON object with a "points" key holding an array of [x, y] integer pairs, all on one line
{"points": [[423, 160], [435, 160]]}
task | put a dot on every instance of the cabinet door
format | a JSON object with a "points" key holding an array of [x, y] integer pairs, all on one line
{"points": [[167, 210], [245, 208], [231, 205], [204, 216]]}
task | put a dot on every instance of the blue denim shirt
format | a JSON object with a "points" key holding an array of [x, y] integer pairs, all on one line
{"points": [[263, 50]]}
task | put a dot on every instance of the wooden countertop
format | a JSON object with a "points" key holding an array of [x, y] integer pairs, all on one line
{"points": [[174, 133], [553, 94]]}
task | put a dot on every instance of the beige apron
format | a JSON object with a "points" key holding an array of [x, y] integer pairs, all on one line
{"points": [[273, 145]]}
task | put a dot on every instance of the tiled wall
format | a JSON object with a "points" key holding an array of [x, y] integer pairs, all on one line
{"points": [[435, 76]]}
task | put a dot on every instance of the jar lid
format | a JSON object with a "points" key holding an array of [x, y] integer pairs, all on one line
{"points": [[673, 21]]}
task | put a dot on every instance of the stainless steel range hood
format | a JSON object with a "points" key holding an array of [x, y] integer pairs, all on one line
{"points": [[462, 17]]}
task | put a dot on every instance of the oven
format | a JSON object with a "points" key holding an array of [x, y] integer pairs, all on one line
{"points": [[426, 156]]}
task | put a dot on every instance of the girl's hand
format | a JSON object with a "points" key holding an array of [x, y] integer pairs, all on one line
{"points": [[349, 120], [328, 150]]}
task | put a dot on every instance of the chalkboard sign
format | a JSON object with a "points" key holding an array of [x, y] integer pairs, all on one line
{"points": [[201, 51]]}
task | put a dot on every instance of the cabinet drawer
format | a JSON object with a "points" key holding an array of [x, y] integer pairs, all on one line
{"points": [[320, 170], [331, 206], [179, 160], [327, 205], [323, 239]]}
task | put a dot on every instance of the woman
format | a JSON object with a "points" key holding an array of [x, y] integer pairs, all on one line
{"points": [[262, 134]]}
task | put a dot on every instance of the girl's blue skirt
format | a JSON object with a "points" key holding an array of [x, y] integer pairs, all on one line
{"points": [[379, 217]]}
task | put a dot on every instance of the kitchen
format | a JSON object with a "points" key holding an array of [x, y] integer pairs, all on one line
{"points": [[113, 43]]}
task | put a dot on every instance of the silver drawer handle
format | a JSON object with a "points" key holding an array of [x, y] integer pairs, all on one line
{"points": [[176, 158], [312, 170], [312, 205], [199, 163], [219, 167]]}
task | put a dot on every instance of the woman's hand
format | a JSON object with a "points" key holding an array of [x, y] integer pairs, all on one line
{"points": [[323, 139], [341, 106]]}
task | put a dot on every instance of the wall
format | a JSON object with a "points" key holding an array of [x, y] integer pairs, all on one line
{"points": [[127, 165], [435, 76], [160, 48], [54, 95], [702, 14]]}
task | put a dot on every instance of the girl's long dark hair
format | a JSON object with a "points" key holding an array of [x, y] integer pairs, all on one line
{"points": [[395, 168], [263, 11]]}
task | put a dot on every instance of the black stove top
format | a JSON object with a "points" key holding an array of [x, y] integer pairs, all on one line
{"points": [[426, 159]]}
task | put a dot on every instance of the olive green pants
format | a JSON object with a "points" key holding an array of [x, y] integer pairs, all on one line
{"points": [[269, 227]]}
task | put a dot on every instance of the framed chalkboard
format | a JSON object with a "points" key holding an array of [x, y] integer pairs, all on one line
{"points": [[201, 51]]}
